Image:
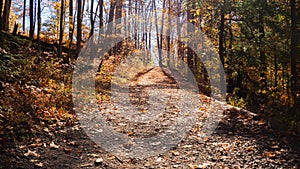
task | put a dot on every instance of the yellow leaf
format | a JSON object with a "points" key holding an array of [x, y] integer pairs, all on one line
{"points": [[130, 133]]}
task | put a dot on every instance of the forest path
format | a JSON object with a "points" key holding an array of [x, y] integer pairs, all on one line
{"points": [[239, 141]]}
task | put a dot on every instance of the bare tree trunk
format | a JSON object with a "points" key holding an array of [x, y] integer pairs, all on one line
{"points": [[61, 26], [109, 30], [221, 33], [5, 16], [31, 26], [79, 25], [101, 20], [39, 20], [1, 8], [190, 29], [71, 24], [24, 15], [169, 34], [92, 19]]}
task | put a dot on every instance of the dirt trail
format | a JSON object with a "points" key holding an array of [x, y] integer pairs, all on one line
{"points": [[240, 141]]}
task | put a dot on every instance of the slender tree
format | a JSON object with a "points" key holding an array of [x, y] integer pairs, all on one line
{"points": [[1, 8], [71, 24], [39, 20], [109, 30], [61, 26], [221, 33], [31, 22], [92, 21], [79, 22], [24, 15]]}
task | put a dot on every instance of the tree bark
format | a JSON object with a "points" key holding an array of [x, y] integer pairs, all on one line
{"points": [[92, 19], [24, 16], [79, 8], [5, 16], [39, 20], [221, 34], [61, 26], [31, 22], [71, 25]]}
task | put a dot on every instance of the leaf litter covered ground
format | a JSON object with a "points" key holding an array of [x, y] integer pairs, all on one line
{"points": [[241, 140]]}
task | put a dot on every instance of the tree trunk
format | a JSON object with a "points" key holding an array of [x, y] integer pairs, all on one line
{"points": [[190, 29], [92, 19], [39, 20], [1, 8], [61, 27], [157, 36], [31, 23], [111, 17], [169, 34], [78, 26], [100, 20], [71, 25], [24, 16], [221, 34], [5, 16]]}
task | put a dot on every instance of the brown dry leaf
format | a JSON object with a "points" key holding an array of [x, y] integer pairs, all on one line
{"points": [[67, 150], [31, 153], [35, 145], [250, 148], [144, 110], [205, 139], [22, 147], [40, 164], [270, 154], [72, 143], [275, 147], [175, 153], [130, 133], [53, 145]]}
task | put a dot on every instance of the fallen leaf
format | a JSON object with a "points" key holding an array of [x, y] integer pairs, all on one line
{"points": [[67, 150], [93, 155], [31, 153], [40, 164], [250, 148], [22, 147], [175, 153], [72, 143], [98, 161], [205, 139], [270, 154], [202, 109], [53, 145], [159, 159], [130, 133]]}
